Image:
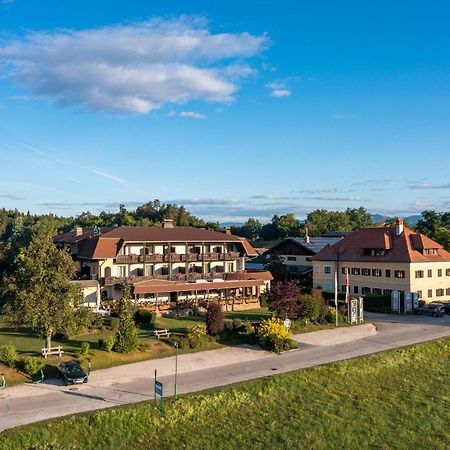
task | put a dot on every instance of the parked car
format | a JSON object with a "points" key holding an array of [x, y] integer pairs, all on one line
{"points": [[445, 305], [71, 373], [431, 309]]}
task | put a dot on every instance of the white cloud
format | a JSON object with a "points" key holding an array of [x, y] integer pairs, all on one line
{"points": [[132, 68], [192, 115], [281, 93], [429, 186]]}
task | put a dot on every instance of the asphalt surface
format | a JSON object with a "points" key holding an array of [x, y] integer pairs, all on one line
{"points": [[32, 403]]}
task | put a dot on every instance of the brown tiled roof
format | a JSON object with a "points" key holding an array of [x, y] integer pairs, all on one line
{"points": [[71, 237], [99, 248], [175, 234], [158, 286], [407, 247], [264, 275]]}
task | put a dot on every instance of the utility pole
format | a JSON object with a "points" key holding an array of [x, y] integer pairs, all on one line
{"points": [[336, 295], [175, 344]]}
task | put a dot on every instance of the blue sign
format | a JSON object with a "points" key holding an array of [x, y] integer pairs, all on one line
{"points": [[395, 301], [158, 388], [415, 300]]}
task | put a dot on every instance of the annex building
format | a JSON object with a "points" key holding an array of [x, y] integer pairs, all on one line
{"points": [[380, 260]]}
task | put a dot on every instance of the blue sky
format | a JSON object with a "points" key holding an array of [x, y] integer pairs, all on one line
{"points": [[234, 109]]}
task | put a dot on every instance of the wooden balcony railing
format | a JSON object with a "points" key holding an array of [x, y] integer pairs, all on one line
{"points": [[175, 257]]}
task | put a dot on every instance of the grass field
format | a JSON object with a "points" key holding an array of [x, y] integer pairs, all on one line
{"points": [[394, 400]]}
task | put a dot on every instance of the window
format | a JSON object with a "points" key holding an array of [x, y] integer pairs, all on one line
{"points": [[355, 289], [344, 270], [376, 291], [365, 272], [430, 251], [419, 274], [419, 293], [439, 292], [365, 290], [122, 271], [388, 273], [399, 274], [447, 272], [317, 269], [387, 291], [430, 293], [327, 269], [374, 251], [308, 258], [376, 272], [439, 272], [291, 258], [356, 271], [343, 288], [447, 291], [430, 273]]}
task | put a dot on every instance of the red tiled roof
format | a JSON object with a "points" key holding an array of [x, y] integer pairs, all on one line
{"points": [[407, 247], [249, 250], [158, 286], [99, 248]]}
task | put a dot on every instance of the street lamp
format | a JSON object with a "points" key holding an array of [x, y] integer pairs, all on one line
{"points": [[175, 344]]}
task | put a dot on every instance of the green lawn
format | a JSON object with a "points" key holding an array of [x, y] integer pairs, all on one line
{"points": [[399, 399]]}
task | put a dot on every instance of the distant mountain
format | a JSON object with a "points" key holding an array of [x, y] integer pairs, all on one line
{"points": [[411, 220]]}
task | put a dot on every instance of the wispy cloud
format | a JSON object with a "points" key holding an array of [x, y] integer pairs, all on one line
{"points": [[271, 197], [11, 197], [107, 175], [36, 150], [429, 186], [133, 68], [336, 198], [192, 115], [281, 93]]}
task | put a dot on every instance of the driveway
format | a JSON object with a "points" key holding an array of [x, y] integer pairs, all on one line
{"points": [[133, 383]]}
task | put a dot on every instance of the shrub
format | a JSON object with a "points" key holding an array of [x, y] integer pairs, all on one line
{"points": [[246, 329], [214, 319], [114, 324], [107, 344], [97, 323], [283, 299], [8, 355], [312, 308], [263, 300], [274, 336], [33, 365], [84, 317], [237, 324], [199, 329], [145, 317], [85, 346]]}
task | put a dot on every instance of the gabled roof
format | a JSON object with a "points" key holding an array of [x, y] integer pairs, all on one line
{"points": [[312, 247], [406, 247], [249, 250], [99, 248]]}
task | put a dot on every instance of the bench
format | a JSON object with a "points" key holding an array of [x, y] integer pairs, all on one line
{"points": [[162, 333], [52, 351]]}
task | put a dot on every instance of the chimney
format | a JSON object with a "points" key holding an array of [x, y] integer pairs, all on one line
{"points": [[398, 227], [307, 241], [168, 223], [78, 231], [228, 230]]}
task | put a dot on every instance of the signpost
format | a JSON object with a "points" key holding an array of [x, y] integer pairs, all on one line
{"points": [[361, 309], [395, 301], [408, 302], [415, 297], [159, 391], [354, 311], [176, 368], [336, 295]]}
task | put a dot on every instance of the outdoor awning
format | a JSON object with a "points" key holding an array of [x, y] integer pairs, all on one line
{"points": [[152, 287]]}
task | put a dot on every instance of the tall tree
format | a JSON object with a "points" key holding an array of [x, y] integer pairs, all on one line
{"points": [[283, 299], [436, 226], [37, 288], [127, 338]]}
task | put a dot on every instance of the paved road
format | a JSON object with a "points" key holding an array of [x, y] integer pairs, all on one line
{"points": [[26, 404]]}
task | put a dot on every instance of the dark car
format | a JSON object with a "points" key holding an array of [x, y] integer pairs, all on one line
{"points": [[71, 373], [446, 306], [431, 309]]}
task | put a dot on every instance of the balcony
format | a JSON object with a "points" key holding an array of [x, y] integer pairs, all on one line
{"points": [[110, 281], [175, 257]]}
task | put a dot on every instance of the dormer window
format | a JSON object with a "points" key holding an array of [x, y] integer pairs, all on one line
{"points": [[374, 251], [430, 251]]}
